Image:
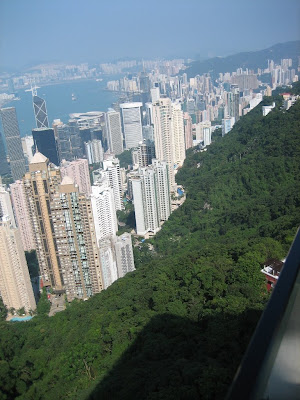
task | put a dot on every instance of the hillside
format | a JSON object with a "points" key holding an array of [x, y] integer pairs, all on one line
{"points": [[251, 60], [177, 327]]}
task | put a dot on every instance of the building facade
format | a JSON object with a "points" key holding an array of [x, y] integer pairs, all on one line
{"points": [[132, 124]]}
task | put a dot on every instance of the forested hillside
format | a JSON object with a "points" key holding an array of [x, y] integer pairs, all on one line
{"points": [[177, 327], [249, 59]]}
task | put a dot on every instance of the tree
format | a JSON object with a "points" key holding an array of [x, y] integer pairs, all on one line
{"points": [[3, 310]]}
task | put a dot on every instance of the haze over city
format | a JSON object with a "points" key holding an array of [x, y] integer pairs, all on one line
{"points": [[34, 32]]}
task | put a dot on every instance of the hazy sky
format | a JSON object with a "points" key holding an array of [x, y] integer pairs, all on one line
{"points": [[34, 31]]}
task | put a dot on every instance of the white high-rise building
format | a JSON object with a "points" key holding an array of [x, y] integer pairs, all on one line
{"points": [[151, 197], [162, 189], [114, 131], [163, 136], [27, 145], [21, 210], [104, 210], [155, 94], [5, 205], [132, 124], [108, 262], [15, 286], [227, 125], [206, 136], [178, 134], [124, 254], [94, 151], [111, 167]]}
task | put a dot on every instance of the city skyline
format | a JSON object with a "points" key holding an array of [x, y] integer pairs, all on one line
{"points": [[201, 27]]}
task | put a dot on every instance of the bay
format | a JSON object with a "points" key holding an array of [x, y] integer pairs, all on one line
{"points": [[90, 96]]}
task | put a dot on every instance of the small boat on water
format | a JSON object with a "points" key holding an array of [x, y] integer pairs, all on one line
{"points": [[74, 97]]}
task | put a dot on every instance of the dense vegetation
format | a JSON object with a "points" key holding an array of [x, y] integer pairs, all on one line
{"points": [[250, 59], [177, 327]]}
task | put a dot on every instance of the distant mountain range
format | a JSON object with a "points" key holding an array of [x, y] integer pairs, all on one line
{"points": [[249, 59]]}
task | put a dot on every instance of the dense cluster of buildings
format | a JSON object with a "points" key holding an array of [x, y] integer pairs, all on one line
{"points": [[68, 184]]}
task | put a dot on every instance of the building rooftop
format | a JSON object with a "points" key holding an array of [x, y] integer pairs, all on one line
{"points": [[38, 158]]}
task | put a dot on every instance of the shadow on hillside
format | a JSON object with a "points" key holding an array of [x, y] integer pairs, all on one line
{"points": [[176, 358]]}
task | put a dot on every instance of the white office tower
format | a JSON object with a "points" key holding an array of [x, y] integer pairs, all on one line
{"points": [[19, 202], [145, 202], [155, 94], [163, 136], [227, 124], [108, 262], [5, 205], [94, 151], [27, 145], [132, 124], [178, 134], [151, 197], [78, 170], [124, 254], [15, 286], [206, 136], [104, 210], [111, 169], [114, 131]]}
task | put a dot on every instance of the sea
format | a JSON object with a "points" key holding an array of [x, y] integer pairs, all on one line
{"points": [[90, 95]]}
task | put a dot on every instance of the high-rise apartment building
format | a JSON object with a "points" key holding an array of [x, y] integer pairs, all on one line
{"points": [[78, 170], [13, 142], [151, 197], [178, 134], [15, 286], [111, 169], [188, 132], [21, 211], [75, 239], [163, 136], [132, 124], [108, 261], [45, 143], [104, 210], [114, 132], [146, 153], [94, 151], [40, 112], [5, 205], [40, 184], [64, 231], [124, 254]]}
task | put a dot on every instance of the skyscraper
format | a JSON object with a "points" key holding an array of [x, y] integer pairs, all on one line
{"points": [[146, 153], [124, 254], [4, 167], [151, 197], [64, 142], [15, 286], [111, 169], [40, 111], [78, 170], [178, 134], [45, 143], [64, 231], [104, 210], [114, 131], [13, 142], [6, 206], [21, 211], [76, 241], [132, 124], [94, 151], [163, 136]]}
